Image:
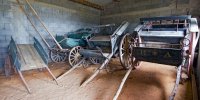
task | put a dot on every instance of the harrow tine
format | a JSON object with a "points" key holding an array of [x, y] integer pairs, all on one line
{"points": [[74, 67]]}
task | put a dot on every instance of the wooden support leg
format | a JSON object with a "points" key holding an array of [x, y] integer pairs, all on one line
{"points": [[23, 80], [52, 75], [73, 68], [122, 83]]}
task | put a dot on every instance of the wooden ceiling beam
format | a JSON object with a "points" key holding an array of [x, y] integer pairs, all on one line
{"points": [[89, 4]]}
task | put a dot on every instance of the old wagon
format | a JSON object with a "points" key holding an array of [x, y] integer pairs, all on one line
{"points": [[164, 40], [69, 42], [102, 47]]}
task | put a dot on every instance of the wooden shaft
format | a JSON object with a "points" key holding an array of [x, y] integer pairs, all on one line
{"points": [[90, 79], [23, 80], [178, 78], [51, 74], [74, 67], [28, 17], [33, 10], [122, 84], [97, 71]]}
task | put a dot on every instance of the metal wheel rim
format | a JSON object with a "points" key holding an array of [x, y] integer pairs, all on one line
{"points": [[126, 60]]}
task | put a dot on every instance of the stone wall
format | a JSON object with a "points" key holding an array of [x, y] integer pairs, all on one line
{"points": [[60, 16], [132, 10]]}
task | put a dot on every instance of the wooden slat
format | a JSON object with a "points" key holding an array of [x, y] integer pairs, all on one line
{"points": [[31, 59]]}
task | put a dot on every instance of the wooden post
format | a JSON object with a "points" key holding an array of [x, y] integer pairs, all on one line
{"points": [[122, 84]]}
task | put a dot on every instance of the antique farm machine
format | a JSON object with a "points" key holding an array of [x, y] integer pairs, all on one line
{"points": [[69, 42], [101, 47], [164, 40]]}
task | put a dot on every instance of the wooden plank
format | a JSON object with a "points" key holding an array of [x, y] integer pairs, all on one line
{"points": [[35, 56], [23, 59], [20, 55], [31, 59]]}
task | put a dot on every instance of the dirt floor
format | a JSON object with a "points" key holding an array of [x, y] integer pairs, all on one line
{"points": [[149, 82]]}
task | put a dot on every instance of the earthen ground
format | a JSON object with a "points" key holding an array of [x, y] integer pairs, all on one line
{"points": [[149, 82]]}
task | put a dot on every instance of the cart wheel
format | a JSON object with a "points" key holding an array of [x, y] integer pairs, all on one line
{"points": [[95, 60], [125, 52], [74, 56], [57, 56]]}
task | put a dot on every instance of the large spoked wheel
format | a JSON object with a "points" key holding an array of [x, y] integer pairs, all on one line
{"points": [[57, 56], [74, 56], [125, 52]]}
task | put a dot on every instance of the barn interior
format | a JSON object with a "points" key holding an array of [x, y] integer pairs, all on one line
{"points": [[35, 61]]}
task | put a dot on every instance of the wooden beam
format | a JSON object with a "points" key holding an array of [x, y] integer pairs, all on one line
{"points": [[89, 4]]}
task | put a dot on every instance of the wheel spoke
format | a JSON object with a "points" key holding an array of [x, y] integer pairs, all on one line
{"points": [[74, 56]]}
